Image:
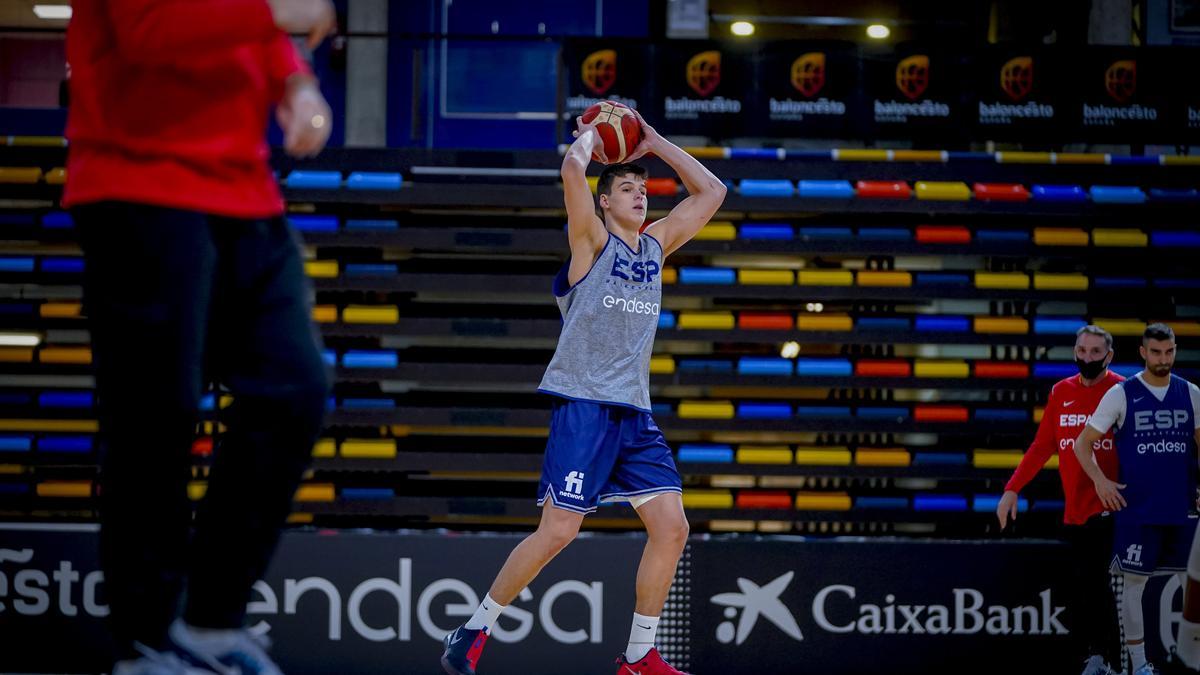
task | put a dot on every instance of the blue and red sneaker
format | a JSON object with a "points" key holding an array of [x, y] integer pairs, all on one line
{"points": [[463, 648], [650, 664]]}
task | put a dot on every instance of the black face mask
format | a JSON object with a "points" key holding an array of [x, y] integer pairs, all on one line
{"points": [[1090, 370]]}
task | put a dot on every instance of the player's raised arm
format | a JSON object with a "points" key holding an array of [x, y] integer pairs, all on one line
{"points": [[585, 231], [705, 191]]}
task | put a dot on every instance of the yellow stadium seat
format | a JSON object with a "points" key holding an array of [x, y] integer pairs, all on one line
{"points": [[713, 410], [321, 269], [1181, 160], [23, 175], [65, 488], [1059, 236], [1023, 157], [1122, 327], [315, 492], [60, 310], [766, 277], [1125, 237], [592, 182], [77, 355], [324, 447], [79, 426], [723, 525], [16, 354], [300, 519], [943, 191], [1012, 325], [662, 364], [1044, 281], [858, 155], [955, 369], [719, 230], [56, 176], [919, 155], [876, 278], [831, 322], [705, 321], [11, 469], [670, 275], [38, 141], [705, 152], [997, 459], [1080, 158], [1038, 411], [371, 314], [1052, 463], [825, 278], [823, 456], [197, 489], [1002, 280], [822, 501], [707, 499], [325, 313], [369, 448], [1188, 328], [882, 457], [749, 454]]}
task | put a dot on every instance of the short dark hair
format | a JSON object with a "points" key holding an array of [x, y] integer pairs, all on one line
{"points": [[1157, 331], [1093, 329], [615, 171]]}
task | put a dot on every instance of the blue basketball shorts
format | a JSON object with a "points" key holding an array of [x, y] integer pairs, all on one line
{"points": [[599, 452], [1139, 548]]}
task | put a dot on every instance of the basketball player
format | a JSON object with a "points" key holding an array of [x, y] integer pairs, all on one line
{"points": [[191, 271], [1156, 415], [603, 444], [1087, 525]]}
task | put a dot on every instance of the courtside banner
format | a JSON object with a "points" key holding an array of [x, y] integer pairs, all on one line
{"points": [[701, 88], [920, 92], [805, 89], [603, 70], [1119, 95], [1175, 70], [1020, 94]]}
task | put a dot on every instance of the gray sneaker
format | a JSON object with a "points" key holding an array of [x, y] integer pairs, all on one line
{"points": [[232, 652], [1147, 669], [153, 662]]}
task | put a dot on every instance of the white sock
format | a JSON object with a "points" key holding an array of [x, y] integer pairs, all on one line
{"points": [[1189, 643], [1137, 653], [485, 617], [641, 637]]}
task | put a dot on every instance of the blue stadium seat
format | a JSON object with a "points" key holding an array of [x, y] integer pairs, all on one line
{"points": [[764, 411], [370, 269], [1174, 194], [721, 454], [65, 399], [666, 320], [824, 367], [755, 187], [826, 234], [939, 503], [1002, 236], [755, 153], [764, 365], [989, 504], [826, 189], [314, 223], [1059, 193], [314, 180], [1117, 194], [371, 224], [362, 494], [896, 323], [765, 231], [1054, 370], [882, 413], [65, 444], [708, 275], [941, 279], [820, 411], [940, 459], [696, 365], [370, 180], [1001, 415], [1175, 239], [368, 403], [363, 358], [58, 220], [62, 265], [1058, 325], [943, 324], [16, 264], [884, 234], [15, 443], [882, 503], [1119, 282]]}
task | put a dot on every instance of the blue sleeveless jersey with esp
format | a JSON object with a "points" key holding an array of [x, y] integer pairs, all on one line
{"points": [[1156, 448]]}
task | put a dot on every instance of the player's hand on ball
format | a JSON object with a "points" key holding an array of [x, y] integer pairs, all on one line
{"points": [[650, 139], [304, 117], [597, 146], [1109, 493]]}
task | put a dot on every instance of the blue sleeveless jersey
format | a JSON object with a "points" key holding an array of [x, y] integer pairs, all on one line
{"points": [[1156, 448]]}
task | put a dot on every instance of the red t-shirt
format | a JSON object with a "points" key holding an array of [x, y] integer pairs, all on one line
{"points": [[169, 104], [1070, 407]]}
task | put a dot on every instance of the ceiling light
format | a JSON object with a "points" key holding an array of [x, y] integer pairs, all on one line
{"points": [[741, 28], [878, 31], [52, 11]]}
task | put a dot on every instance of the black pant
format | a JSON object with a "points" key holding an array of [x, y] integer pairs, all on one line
{"points": [[175, 300], [1091, 598]]}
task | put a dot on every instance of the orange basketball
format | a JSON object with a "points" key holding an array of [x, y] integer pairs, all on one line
{"points": [[618, 127]]}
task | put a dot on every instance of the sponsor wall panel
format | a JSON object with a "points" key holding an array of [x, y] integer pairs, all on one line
{"points": [[1020, 94], [354, 602], [919, 92], [1118, 95], [806, 89], [603, 70], [701, 88]]}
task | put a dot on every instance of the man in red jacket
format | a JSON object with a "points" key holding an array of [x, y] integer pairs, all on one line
{"points": [[193, 275], [1088, 527]]}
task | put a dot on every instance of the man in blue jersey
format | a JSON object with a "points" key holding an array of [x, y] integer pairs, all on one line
{"points": [[1157, 417], [603, 444]]}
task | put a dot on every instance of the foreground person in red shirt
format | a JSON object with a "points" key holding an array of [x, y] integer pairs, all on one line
{"points": [[192, 275], [1088, 527]]}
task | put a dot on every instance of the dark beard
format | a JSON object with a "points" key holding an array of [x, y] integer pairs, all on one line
{"points": [[1160, 371]]}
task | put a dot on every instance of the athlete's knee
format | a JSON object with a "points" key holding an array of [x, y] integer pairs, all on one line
{"points": [[557, 533], [675, 532]]}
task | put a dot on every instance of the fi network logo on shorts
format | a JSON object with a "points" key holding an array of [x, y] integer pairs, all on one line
{"points": [[1133, 554], [574, 484], [756, 601]]}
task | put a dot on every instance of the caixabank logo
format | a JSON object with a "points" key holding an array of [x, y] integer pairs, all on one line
{"points": [[808, 75], [1017, 83], [1121, 90], [702, 74], [913, 77], [599, 71]]}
